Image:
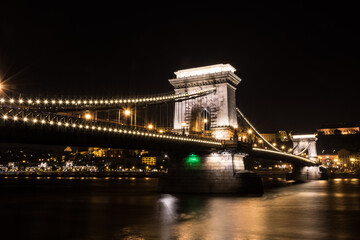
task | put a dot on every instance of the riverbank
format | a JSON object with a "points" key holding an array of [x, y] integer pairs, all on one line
{"points": [[81, 174], [343, 175]]}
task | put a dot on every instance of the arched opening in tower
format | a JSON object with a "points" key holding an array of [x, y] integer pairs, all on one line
{"points": [[200, 120]]}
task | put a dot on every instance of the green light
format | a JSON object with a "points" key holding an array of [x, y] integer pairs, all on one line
{"points": [[192, 161]]}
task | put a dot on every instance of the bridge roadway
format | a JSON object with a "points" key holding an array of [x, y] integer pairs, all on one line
{"points": [[30, 120], [35, 130]]}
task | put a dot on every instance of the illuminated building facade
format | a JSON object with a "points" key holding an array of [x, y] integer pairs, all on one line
{"points": [[343, 129], [349, 158], [276, 137], [149, 161]]}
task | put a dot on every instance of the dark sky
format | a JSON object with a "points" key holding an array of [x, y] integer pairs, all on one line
{"points": [[299, 61]]}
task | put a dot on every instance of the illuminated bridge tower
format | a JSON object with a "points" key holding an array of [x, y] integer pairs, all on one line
{"points": [[221, 170], [214, 113], [305, 143]]}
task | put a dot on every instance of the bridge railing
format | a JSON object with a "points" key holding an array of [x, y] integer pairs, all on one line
{"points": [[26, 117]]}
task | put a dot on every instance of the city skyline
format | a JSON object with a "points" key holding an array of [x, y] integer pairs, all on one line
{"points": [[297, 62]]}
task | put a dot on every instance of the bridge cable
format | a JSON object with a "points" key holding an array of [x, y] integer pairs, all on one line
{"points": [[254, 129], [292, 151], [303, 149]]}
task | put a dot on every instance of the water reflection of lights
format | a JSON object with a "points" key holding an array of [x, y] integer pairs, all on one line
{"points": [[167, 206]]}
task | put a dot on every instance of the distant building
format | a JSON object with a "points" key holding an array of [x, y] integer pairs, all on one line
{"points": [[149, 161], [343, 129], [276, 137], [349, 158], [340, 151], [270, 137], [329, 159]]}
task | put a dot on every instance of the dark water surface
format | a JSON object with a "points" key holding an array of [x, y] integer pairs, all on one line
{"points": [[133, 209]]}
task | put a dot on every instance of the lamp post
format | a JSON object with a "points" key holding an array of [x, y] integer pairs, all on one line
{"points": [[251, 139], [88, 116], [205, 122], [183, 125], [127, 113]]}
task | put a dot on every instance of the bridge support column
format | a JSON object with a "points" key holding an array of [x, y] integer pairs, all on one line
{"points": [[210, 173], [308, 173]]}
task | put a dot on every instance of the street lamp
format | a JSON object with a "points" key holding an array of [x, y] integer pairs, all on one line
{"points": [[87, 116], [205, 122], [127, 112], [150, 126], [183, 125]]}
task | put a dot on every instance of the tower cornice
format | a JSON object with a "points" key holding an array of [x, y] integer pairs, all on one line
{"points": [[206, 79]]}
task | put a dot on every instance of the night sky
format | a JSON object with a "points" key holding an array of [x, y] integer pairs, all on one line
{"points": [[299, 62]]}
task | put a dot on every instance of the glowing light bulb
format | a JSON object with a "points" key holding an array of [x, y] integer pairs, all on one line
{"points": [[127, 112]]}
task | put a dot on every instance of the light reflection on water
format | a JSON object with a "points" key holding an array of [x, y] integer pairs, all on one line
{"points": [[133, 209]]}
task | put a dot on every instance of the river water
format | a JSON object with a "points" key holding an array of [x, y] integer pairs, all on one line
{"points": [[68, 208]]}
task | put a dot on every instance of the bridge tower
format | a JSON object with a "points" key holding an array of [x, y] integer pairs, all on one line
{"points": [[303, 143], [214, 113]]}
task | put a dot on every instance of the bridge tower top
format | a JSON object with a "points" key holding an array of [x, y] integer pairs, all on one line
{"points": [[217, 68], [214, 113], [205, 76]]}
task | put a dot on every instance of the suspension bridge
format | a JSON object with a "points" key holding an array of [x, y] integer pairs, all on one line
{"points": [[199, 115]]}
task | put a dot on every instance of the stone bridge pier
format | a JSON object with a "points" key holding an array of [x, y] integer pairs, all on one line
{"points": [[215, 172], [304, 173]]}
